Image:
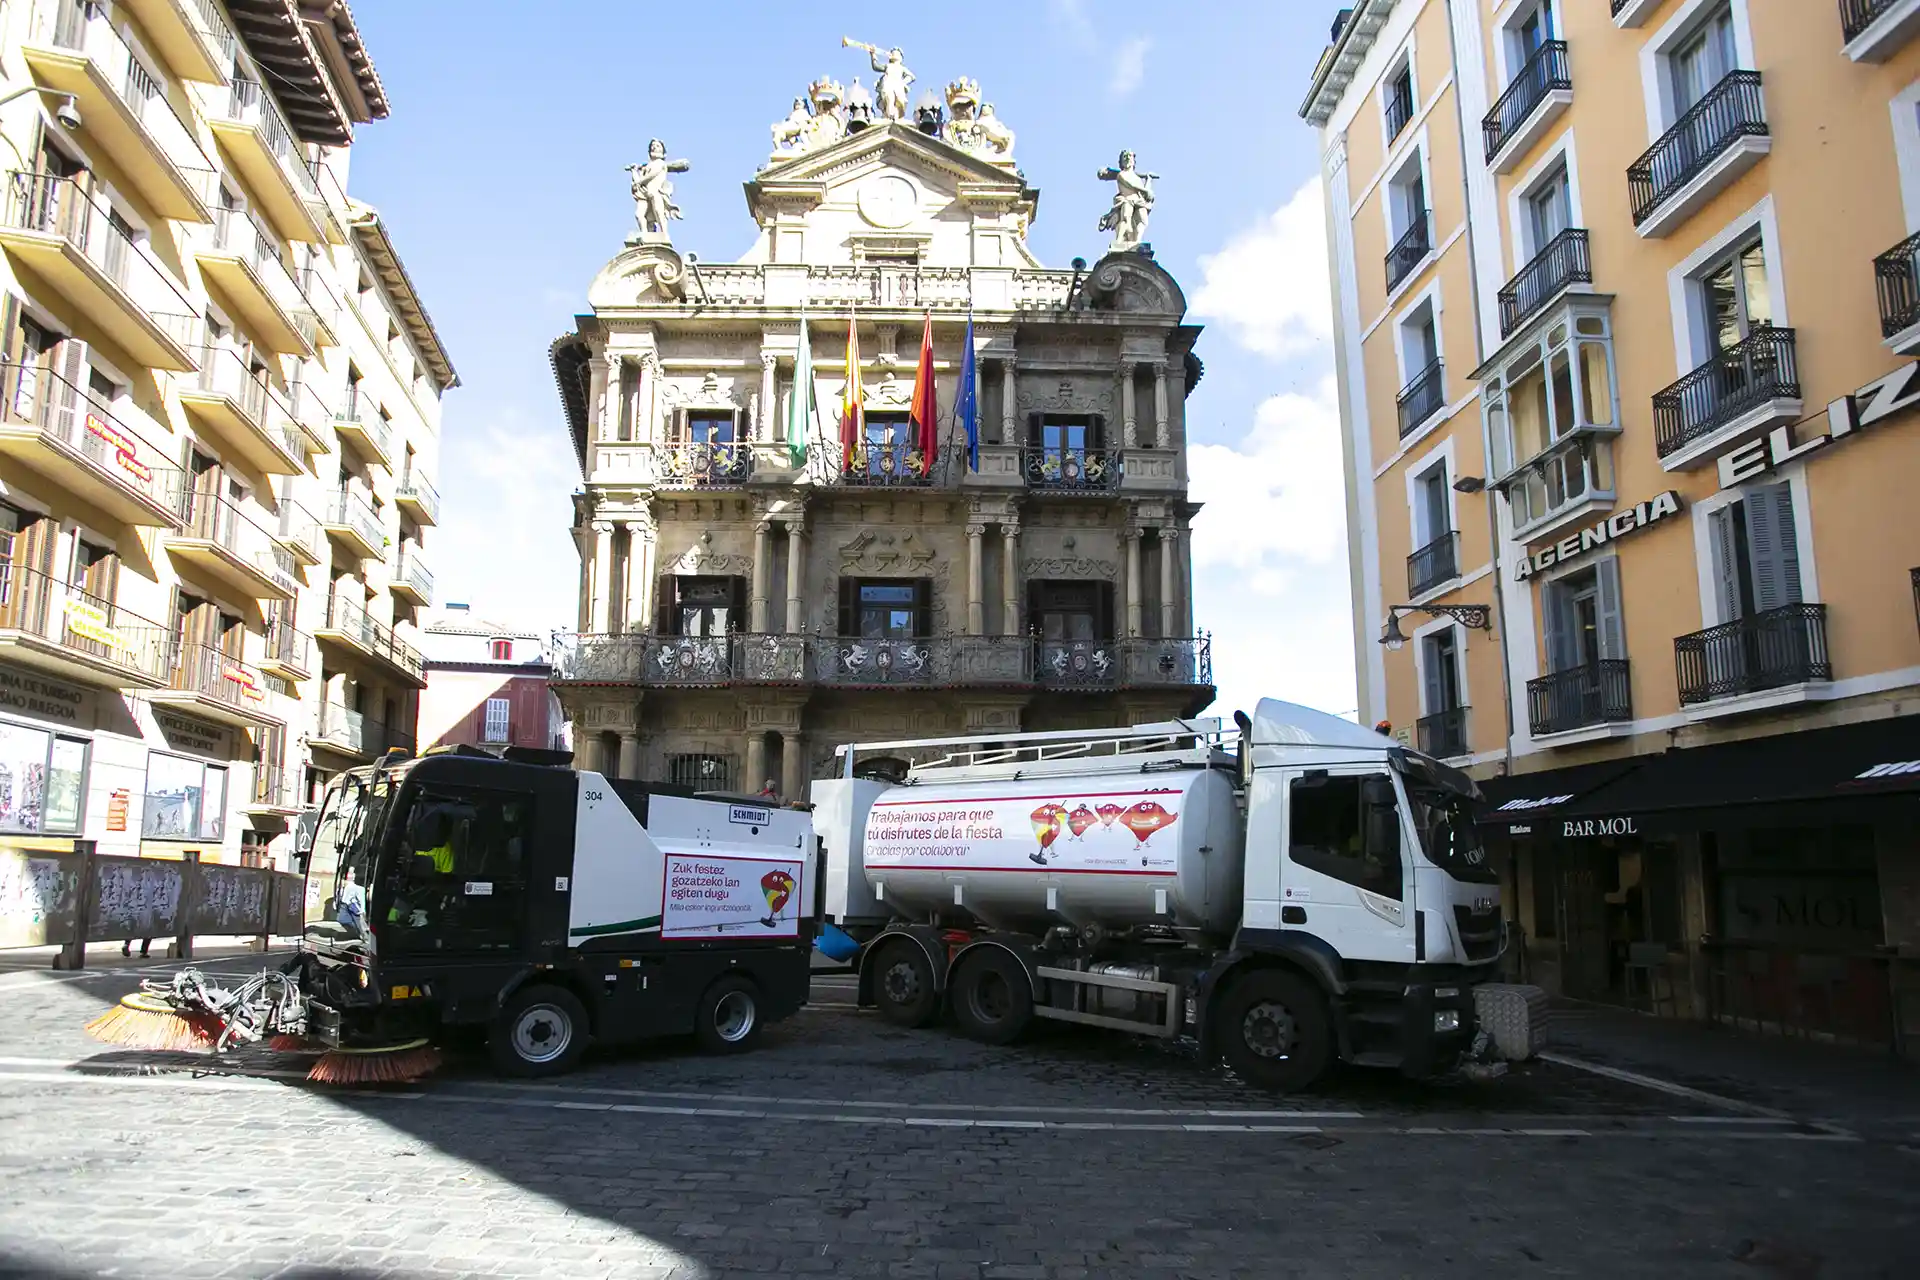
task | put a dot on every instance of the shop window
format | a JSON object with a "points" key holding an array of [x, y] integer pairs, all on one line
{"points": [[1329, 832], [43, 780], [185, 799]]}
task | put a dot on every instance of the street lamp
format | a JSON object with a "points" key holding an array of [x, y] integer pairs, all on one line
{"points": [[1477, 616]]}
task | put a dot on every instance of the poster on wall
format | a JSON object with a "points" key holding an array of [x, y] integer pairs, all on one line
{"points": [[718, 895], [23, 776], [1104, 831]]}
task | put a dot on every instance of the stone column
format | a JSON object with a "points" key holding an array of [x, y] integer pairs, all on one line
{"points": [[756, 761], [639, 547], [796, 576], [793, 766], [976, 603], [629, 755], [763, 429], [1132, 536], [762, 581], [1009, 397], [583, 618], [1169, 549], [646, 417], [599, 399], [1010, 577], [602, 576], [642, 611], [1129, 426], [1162, 429]]}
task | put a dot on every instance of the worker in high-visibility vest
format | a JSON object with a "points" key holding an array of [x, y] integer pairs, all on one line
{"points": [[440, 853]]}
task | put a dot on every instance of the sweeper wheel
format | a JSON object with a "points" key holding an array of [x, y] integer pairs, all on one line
{"points": [[400, 1063], [145, 1021]]}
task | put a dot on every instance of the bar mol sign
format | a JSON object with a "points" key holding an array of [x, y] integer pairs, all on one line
{"points": [[1612, 529], [1869, 406]]}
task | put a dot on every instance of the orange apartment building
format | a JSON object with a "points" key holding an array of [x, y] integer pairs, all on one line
{"points": [[1626, 298]]}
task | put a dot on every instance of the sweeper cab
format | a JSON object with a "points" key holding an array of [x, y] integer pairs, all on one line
{"points": [[546, 907]]}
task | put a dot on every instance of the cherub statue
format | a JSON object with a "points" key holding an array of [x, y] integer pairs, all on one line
{"points": [[653, 205], [788, 133], [1132, 202]]}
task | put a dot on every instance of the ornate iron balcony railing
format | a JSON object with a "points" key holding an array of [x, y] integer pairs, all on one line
{"points": [[1561, 262], [1423, 397], [1735, 382], [1730, 110], [1434, 563], [1410, 250], [1896, 278], [1443, 735], [1593, 693], [1766, 650], [1543, 73]]}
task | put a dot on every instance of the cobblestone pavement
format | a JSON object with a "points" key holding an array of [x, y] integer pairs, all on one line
{"points": [[844, 1147]]}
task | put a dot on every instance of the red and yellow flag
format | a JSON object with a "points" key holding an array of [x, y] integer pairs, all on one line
{"points": [[852, 415], [925, 412]]}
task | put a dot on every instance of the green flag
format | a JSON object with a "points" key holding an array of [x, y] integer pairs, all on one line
{"points": [[800, 411]]}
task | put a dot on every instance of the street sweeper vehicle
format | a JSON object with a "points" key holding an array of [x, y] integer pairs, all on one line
{"points": [[539, 905], [1297, 892]]}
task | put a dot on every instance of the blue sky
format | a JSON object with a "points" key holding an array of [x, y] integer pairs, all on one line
{"points": [[500, 175]]}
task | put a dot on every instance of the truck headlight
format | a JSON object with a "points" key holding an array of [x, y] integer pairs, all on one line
{"points": [[1446, 1020], [363, 977]]}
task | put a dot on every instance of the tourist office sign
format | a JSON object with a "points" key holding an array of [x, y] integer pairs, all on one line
{"points": [[1867, 407], [1615, 527]]}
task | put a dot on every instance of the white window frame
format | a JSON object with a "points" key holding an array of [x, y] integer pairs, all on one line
{"points": [[1440, 455], [1404, 58], [505, 706], [1519, 198], [1506, 19], [1411, 305], [1905, 108], [1795, 477], [1416, 642], [1418, 154], [1657, 85], [1691, 342]]}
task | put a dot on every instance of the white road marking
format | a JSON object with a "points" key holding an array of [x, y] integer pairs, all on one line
{"points": [[1666, 1086]]}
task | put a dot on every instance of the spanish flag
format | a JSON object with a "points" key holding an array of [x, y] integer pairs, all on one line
{"points": [[852, 416], [925, 415]]}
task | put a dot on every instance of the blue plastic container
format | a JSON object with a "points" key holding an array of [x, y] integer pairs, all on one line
{"points": [[833, 943]]}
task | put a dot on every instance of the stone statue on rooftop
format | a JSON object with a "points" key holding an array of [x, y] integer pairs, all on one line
{"points": [[1132, 202], [653, 205], [894, 77], [792, 131]]}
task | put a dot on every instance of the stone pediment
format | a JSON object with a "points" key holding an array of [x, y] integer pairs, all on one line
{"points": [[896, 148]]}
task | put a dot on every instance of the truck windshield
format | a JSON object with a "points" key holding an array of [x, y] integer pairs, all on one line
{"points": [[343, 840], [1448, 834]]}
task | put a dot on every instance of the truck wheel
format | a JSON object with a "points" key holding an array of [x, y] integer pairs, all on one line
{"points": [[992, 998], [1274, 1031], [903, 985], [729, 1016], [541, 1032]]}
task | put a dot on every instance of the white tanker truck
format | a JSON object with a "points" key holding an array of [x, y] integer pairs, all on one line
{"points": [[1296, 892]]}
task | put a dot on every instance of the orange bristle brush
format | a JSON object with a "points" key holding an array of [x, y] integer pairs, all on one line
{"points": [[284, 1043], [142, 1021], [388, 1064]]}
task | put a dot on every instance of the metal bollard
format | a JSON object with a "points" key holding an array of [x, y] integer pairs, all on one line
{"points": [[73, 955]]}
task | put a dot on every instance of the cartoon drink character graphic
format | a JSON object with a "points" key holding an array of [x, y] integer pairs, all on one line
{"points": [[777, 888], [1108, 812], [1046, 828], [1079, 820], [1145, 818]]}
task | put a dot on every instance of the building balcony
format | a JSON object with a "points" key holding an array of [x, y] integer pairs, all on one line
{"points": [[1443, 735], [1133, 663], [1583, 697], [353, 733], [242, 265], [71, 246], [1896, 278], [223, 542], [355, 526], [299, 532], [1773, 649], [289, 651], [233, 407], [360, 425], [214, 686], [1072, 470], [1400, 108], [318, 308], [1560, 265], [191, 35], [418, 498], [276, 790], [1719, 138], [891, 465], [1422, 398], [1539, 95], [72, 47], [311, 415], [1632, 13], [1744, 389], [58, 431], [1434, 564], [350, 628], [1410, 250], [1554, 489], [1875, 30], [700, 465], [412, 581], [250, 129], [52, 627]]}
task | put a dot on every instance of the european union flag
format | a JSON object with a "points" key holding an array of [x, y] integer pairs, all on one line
{"points": [[966, 405]]}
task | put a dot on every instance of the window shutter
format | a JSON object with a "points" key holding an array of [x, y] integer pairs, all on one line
{"points": [[1103, 618], [1035, 435], [1556, 606], [1433, 678], [737, 607], [849, 621], [1773, 547], [922, 608], [66, 392], [1726, 566], [1097, 432], [666, 613], [1613, 634], [1034, 592]]}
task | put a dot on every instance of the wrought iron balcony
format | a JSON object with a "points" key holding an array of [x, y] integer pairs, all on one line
{"points": [[351, 520], [1423, 397], [348, 624], [360, 422], [242, 263], [1400, 109], [234, 404], [1433, 564], [216, 685], [418, 498], [1133, 663], [1740, 380], [1767, 650], [1590, 694], [895, 464], [1410, 250], [276, 789], [1074, 470], [355, 733], [1857, 15], [1443, 735], [222, 540], [1562, 262], [300, 533], [259, 144], [59, 431], [191, 35], [1896, 277], [49, 625], [701, 465], [1730, 111], [412, 580], [289, 651], [1545, 73]]}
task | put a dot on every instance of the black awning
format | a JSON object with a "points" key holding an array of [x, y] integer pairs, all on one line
{"points": [[1839, 774], [1524, 798]]}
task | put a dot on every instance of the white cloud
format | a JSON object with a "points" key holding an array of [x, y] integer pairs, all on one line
{"points": [[1269, 285], [1071, 15], [1129, 66]]}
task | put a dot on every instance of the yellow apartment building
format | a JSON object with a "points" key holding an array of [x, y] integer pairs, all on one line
{"points": [[1626, 299], [219, 426]]}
